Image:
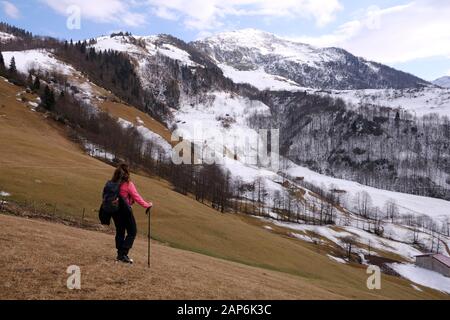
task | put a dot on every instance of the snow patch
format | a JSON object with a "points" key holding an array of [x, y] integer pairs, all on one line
{"points": [[416, 288], [303, 237], [97, 152], [423, 277], [339, 260]]}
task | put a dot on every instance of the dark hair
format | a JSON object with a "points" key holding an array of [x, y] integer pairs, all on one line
{"points": [[122, 174]]}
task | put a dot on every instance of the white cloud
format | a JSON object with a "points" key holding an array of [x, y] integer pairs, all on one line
{"points": [[200, 15], [419, 29], [103, 11], [10, 10], [209, 15]]}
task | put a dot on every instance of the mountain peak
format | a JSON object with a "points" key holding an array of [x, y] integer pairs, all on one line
{"points": [[306, 65], [252, 38]]}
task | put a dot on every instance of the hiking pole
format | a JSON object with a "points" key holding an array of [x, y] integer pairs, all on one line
{"points": [[148, 240]]}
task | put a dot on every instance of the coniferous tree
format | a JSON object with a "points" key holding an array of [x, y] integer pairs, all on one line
{"points": [[2, 64], [48, 99], [30, 80], [36, 84], [12, 66]]}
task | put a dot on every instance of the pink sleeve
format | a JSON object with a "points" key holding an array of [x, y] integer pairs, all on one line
{"points": [[136, 196]]}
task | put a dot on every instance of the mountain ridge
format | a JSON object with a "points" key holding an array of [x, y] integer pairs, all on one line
{"points": [[309, 66], [442, 82]]}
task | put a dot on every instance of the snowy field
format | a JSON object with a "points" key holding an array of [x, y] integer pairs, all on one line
{"points": [[423, 277]]}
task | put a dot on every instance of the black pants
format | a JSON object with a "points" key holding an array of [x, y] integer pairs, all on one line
{"points": [[126, 230]]}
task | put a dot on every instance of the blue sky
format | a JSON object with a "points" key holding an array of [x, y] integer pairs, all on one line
{"points": [[413, 36]]}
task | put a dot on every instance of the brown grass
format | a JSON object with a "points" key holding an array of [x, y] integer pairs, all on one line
{"points": [[35, 256], [38, 163], [121, 110]]}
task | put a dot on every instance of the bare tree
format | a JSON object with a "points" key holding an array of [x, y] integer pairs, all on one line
{"points": [[391, 209], [349, 242]]}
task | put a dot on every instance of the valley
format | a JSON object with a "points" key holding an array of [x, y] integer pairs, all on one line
{"points": [[295, 223]]}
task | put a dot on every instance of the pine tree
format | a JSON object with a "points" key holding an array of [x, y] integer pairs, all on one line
{"points": [[12, 66], [2, 63], [30, 80], [48, 99], [37, 84]]}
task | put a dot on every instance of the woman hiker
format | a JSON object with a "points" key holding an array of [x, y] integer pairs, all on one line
{"points": [[124, 221]]}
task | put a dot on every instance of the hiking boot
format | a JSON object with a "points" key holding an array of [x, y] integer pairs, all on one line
{"points": [[128, 259], [125, 259]]}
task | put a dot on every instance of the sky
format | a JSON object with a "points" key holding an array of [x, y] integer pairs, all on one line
{"points": [[410, 35]]}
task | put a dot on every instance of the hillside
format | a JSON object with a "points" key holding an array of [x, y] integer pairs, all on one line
{"points": [[104, 91], [443, 82], [37, 269], [42, 167], [327, 131]]}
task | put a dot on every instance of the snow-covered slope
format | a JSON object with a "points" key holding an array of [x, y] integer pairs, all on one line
{"points": [[259, 79], [418, 101], [407, 203], [443, 82], [43, 61], [39, 60], [155, 59], [330, 68], [222, 115], [139, 46], [4, 37], [423, 277]]}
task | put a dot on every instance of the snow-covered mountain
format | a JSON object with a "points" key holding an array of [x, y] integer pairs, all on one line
{"points": [[443, 82], [307, 66]]}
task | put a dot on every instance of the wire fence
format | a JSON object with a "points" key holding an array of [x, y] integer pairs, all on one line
{"points": [[80, 217]]}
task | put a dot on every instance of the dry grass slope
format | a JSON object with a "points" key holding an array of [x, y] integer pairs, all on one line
{"points": [[39, 163], [36, 254]]}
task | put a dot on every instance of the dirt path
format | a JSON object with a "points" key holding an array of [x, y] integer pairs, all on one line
{"points": [[36, 254]]}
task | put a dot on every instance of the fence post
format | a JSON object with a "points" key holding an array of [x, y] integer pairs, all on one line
{"points": [[82, 217]]}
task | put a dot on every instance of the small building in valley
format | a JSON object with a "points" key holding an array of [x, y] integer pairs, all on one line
{"points": [[434, 261]]}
